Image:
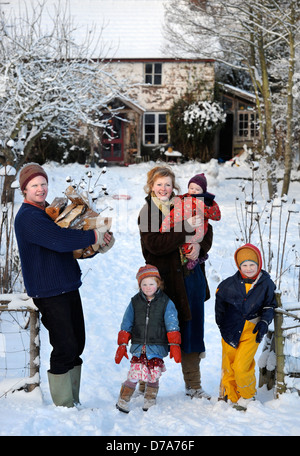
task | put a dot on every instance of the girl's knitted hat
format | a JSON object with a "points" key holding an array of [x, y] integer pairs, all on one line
{"points": [[199, 179], [30, 171], [147, 271]]}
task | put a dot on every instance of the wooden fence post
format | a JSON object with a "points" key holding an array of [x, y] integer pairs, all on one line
{"points": [[280, 386], [34, 348], [18, 303]]}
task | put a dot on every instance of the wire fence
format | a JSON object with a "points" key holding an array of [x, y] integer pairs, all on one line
{"points": [[19, 343]]}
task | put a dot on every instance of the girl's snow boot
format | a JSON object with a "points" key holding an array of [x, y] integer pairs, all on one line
{"points": [[150, 397], [125, 395]]}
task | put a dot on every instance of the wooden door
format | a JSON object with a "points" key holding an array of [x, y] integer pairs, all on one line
{"points": [[112, 141]]}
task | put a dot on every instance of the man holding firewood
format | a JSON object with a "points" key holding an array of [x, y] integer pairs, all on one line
{"points": [[52, 277]]}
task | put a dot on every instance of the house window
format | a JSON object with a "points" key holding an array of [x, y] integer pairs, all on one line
{"points": [[227, 103], [248, 125], [155, 128], [153, 73]]}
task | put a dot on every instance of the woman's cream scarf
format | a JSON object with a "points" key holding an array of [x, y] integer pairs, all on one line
{"points": [[163, 206]]}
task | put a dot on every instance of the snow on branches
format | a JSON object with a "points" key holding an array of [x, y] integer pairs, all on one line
{"points": [[202, 117], [49, 84]]}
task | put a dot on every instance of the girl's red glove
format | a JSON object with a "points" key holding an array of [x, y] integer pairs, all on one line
{"points": [[123, 339], [174, 339]]}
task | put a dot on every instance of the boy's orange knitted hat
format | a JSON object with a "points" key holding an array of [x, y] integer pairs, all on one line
{"points": [[248, 252], [246, 255]]}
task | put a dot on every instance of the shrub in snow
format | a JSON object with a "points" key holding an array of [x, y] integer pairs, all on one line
{"points": [[203, 117]]}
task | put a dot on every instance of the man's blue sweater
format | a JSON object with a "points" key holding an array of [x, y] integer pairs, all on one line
{"points": [[46, 252]]}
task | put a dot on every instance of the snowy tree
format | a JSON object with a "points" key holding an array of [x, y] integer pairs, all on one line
{"points": [[49, 84], [199, 123], [259, 37], [204, 116]]}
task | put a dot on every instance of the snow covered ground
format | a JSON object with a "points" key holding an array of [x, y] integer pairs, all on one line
{"points": [[108, 283]]}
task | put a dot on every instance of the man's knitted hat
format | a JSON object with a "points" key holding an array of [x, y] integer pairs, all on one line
{"points": [[199, 179], [147, 271], [30, 171]]}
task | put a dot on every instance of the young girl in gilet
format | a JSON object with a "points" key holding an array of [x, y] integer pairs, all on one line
{"points": [[151, 322]]}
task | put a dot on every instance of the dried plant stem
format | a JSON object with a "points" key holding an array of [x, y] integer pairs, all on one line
{"points": [[283, 248]]}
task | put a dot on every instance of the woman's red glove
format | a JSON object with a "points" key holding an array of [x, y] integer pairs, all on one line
{"points": [[123, 339], [174, 339]]}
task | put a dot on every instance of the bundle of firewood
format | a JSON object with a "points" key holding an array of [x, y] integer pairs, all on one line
{"points": [[77, 215]]}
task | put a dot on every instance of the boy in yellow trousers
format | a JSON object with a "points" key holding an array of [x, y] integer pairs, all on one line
{"points": [[244, 309]]}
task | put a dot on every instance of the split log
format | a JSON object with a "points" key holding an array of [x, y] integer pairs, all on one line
{"points": [[104, 223], [56, 207], [73, 196], [84, 253], [76, 211], [86, 221], [77, 215], [65, 212], [90, 223]]}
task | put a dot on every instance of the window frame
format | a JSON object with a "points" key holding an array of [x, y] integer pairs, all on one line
{"points": [[150, 76], [250, 125], [157, 131]]}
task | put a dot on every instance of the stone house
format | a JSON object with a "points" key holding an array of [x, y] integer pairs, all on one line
{"points": [[133, 34], [159, 81]]}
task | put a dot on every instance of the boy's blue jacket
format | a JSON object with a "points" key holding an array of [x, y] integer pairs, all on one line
{"points": [[234, 306]]}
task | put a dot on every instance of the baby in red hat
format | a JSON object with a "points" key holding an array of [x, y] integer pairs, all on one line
{"points": [[196, 202]]}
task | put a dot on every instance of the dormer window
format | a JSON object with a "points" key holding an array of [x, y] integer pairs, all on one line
{"points": [[153, 73]]}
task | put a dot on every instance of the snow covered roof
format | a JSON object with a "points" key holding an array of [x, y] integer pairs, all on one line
{"points": [[133, 26], [127, 102], [238, 92], [132, 29]]}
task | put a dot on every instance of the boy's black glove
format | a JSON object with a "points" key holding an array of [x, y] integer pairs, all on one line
{"points": [[261, 328]]}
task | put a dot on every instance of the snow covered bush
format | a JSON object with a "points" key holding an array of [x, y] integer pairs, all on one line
{"points": [[193, 125], [202, 118]]}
